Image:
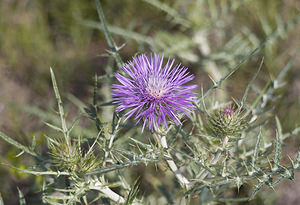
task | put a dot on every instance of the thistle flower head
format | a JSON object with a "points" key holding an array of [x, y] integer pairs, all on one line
{"points": [[71, 158], [228, 122], [154, 92]]}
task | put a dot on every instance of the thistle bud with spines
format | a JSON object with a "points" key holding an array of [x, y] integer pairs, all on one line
{"points": [[229, 122]]}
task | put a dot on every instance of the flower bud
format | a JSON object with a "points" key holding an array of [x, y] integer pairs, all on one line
{"points": [[228, 122]]}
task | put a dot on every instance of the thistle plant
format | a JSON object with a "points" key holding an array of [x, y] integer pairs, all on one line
{"points": [[196, 147]]}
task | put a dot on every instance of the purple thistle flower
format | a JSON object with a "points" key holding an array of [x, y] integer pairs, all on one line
{"points": [[154, 92]]}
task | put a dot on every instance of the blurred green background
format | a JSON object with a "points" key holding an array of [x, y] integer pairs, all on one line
{"points": [[208, 36]]}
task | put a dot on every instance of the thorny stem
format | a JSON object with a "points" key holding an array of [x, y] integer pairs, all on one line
{"points": [[183, 181]]}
